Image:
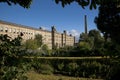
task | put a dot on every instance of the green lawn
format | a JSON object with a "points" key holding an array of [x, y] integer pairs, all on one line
{"points": [[35, 76]]}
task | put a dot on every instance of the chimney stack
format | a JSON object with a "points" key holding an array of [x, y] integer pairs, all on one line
{"points": [[85, 17]]}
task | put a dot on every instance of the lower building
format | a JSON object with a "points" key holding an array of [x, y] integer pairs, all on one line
{"points": [[51, 38]]}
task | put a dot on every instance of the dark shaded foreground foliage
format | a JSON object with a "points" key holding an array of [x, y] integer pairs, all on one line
{"points": [[89, 68], [23, 3], [12, 65], [108, 20]]}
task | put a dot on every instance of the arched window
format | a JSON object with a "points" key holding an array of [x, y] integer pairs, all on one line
{"points": [[21, 34], [6, 29]]}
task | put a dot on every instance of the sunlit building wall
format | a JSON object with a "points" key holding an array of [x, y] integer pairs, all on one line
{"points": [[50, 38]]}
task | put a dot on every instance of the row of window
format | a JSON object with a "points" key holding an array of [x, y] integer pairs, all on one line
{"points": [[28, 38], [12, 30], [5, 29], [44, 35]]}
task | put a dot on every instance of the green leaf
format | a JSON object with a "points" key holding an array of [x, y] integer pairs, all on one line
{"points": [[56, 1], [91, 7], [94, 5]]}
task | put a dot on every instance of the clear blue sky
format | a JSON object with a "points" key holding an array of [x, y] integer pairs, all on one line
{"points": [[47, 13]]}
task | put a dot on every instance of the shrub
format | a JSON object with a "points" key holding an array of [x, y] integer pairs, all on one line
{"points": [[36, 65], [46, 69], [11, 61], [114, 71], [60, 66], [92, 69], [71, 68], [42, 67], [13, 73]]}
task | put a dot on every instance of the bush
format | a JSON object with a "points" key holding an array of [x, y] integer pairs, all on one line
{"points": [[13, 73], [92, 70], [114, 71], [46, 69], [88, 68], [60, 66], [36, 65], [40, 67], [12, 65], [71, 68]]}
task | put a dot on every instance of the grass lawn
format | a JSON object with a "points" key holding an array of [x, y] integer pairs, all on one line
{"points": [[35, 76]]}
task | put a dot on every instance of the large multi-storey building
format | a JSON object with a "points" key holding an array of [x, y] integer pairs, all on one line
{"points": [[50, 38]]}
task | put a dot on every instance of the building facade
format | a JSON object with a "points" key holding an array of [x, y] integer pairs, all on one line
{"points": [[51, 38]]}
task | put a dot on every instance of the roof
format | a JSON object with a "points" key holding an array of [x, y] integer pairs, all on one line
{"points": [[22, 26]]}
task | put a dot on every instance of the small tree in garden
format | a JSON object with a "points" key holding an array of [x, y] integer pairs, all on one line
{"points": [[12, 66]]}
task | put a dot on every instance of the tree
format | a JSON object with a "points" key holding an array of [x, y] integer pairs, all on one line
{"points": [[83, 37], [23, 3], [27, 3], [108, 20], [91, 3], [38, 39], [97, 41], [12, 66], [82, 3], [31, 44], [34, 43], [94, 33], [109, 15], [93, 42]]}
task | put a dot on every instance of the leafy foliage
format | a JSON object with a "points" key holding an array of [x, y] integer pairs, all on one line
{"points": [[23, 3], [91, 44], [83, 3], [11, 64], [114, 70], [46, 69], [42, 67], [34, 43], [31, 44], [71, 68], [96, 68], [60, 66], [108, 20], [38, 39]]}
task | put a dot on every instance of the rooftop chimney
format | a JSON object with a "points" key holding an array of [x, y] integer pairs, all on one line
{"points": [[85, 24]]}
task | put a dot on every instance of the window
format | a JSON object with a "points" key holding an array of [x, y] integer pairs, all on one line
{"points": [[1, 29], [21, 34], [20, 30], [6, 29], [10, 30], [17, 31]]}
